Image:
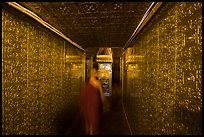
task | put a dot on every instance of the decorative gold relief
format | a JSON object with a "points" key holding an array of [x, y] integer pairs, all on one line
{"points": [[167, 96], [33, 66]]}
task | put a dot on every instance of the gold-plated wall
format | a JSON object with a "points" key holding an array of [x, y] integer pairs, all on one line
{"points": [[37, 86], [163, 93]]}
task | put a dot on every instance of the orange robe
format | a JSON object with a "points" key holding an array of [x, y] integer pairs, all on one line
{"points": [[91, 107]]}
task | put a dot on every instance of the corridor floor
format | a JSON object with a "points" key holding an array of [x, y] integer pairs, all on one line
{"points": [[114, 121]]}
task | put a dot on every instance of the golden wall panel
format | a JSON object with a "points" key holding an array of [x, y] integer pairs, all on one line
{"points": [[35, 89], [166, 98]]}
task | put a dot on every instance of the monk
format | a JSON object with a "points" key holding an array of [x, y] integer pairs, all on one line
{"points": [[91, 99]]}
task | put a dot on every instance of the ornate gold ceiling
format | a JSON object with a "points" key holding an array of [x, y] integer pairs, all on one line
{"points": [[92, 24]]}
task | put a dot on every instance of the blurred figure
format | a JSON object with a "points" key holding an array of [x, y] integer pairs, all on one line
{"points": [[91, 103]]}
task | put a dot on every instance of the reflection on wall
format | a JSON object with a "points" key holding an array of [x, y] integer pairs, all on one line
{"points": [[36, 92], [75, 69], [165, 94]]}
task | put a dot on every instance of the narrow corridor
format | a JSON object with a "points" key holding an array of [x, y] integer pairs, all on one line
{"points": [[152, 50], [114, 121]]}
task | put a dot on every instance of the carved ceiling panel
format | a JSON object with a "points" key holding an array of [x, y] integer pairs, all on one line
{"points": [[92, 24]]}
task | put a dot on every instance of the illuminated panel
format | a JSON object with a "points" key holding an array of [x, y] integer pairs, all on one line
{"points": [[168, 93]]}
